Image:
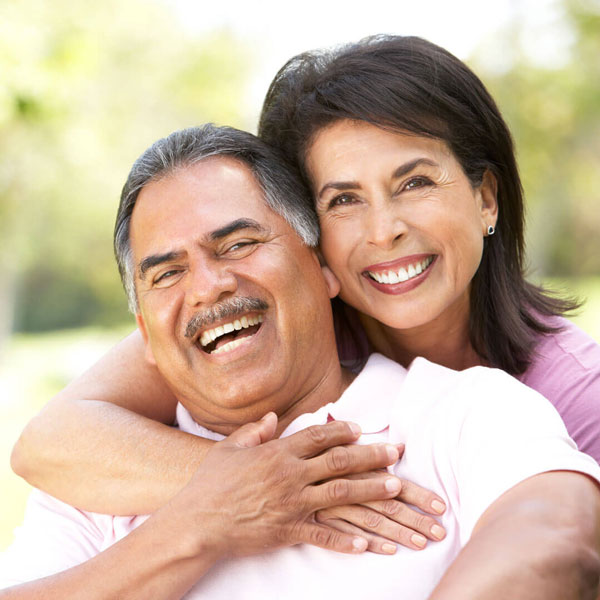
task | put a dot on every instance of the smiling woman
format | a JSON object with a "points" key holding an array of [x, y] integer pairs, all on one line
{"points": [[417, 191]]}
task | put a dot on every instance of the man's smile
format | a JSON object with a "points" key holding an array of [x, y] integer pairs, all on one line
{"points": [[228, 336]]}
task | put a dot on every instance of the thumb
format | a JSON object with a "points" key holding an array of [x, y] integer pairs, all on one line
{"points": [[254, 434]]}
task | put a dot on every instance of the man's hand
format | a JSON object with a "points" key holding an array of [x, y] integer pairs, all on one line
{"points": [[253, 493]]}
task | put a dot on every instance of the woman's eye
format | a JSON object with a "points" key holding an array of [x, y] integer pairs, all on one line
{"points": [[417, 182], [341, 200]]}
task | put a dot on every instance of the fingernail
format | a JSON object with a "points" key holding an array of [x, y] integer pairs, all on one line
{"points": [[389, 548], [359, 544], [418, 540], [354, 428], [438, 506], [392, 453], [438, 532], [392, 485]]}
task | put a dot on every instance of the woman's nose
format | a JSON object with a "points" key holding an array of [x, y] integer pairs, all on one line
{"points": [[385, 224]]}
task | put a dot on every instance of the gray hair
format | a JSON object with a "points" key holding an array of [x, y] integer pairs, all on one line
{"points": [[283, 189]]}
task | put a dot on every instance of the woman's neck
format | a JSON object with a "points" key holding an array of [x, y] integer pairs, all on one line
{"points": [[444, 341]]}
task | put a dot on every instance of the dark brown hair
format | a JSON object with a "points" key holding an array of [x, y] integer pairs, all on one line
{"points": [[409, 84]]}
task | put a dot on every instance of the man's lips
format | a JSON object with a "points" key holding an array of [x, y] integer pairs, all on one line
{"points": [[399, 271]]}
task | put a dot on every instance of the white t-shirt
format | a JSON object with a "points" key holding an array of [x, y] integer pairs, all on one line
{"points": [[469, 435]]}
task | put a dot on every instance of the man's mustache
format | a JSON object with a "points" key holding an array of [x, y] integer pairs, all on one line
{"points": [[231, 307]]}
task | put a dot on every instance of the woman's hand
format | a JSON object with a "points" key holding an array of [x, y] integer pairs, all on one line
{"points": [[385, 523]]}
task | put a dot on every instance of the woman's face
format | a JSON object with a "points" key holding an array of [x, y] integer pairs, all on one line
{"points": [[402, 227]]}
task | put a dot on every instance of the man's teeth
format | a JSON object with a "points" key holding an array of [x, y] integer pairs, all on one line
{"points": [[402, 274], [212, 334]]}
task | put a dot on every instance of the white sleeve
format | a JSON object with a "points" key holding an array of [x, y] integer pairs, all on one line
{"points": [[54, 537], [509, 433]]}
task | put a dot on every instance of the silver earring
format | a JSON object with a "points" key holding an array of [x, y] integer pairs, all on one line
{"points": [[491, 230]]}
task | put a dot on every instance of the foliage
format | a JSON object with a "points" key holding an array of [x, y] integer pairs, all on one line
{"points": [[554, 113], [86, 88]]}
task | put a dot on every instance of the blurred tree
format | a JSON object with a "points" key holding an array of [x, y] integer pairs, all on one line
{"points": [[554, 113], [85, 88]]}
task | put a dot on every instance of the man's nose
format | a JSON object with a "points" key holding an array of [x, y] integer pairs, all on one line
{"points": [[207, 282], [384, 224]]}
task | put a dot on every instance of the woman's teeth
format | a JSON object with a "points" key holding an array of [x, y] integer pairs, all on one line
{"points": [[402, 274]]}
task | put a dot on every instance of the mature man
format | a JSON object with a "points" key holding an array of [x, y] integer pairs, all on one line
{"points": [[234, 308]]}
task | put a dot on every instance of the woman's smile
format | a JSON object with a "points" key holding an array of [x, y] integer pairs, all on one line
{"points": [[400, 276], [402, 227]]}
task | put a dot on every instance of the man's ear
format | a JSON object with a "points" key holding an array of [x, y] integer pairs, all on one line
{"points": [[488, 198], [331, 281], [148, 354]]}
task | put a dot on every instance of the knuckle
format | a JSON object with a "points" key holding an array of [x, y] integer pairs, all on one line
{"points": [[391, 507], [323, 537], [338, 459], [316, 433], [339, 490], [421, 522], [284, 474], [373, 520]]}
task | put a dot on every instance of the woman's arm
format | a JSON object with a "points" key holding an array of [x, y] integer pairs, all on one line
{"points": [[101, 444]]}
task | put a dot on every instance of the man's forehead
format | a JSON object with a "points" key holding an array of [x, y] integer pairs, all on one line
{"points": [[204, 201], [217, 188]]}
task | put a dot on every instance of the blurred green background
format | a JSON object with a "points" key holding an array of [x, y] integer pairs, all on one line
{"points": [[85, 87]]}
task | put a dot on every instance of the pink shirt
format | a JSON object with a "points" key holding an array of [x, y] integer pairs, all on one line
{"points": [[455, 426], [566, 370]]}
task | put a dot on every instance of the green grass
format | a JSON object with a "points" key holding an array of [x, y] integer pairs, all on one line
{"points": [[35, 367]]}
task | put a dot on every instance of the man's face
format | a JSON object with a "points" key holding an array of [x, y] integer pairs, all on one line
{"points": [[234, 308]]}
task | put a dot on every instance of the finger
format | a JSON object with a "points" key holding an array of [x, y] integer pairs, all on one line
{"points": [[424, 499], [343, 460], [338, 492], [399, 522], [254, 434], [376, 544], [315, 534], [313, 440]]}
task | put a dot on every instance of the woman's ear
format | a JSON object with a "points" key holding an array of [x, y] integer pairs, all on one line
{"points": [[148, 354], [331, 281], [488, 198]]}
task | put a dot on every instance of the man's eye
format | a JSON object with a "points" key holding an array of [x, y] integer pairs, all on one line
{"points": [[417, 182], [164, 276], [245, 245]]}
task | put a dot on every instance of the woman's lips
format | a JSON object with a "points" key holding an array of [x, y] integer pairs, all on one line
{"points": [[400, 276]]}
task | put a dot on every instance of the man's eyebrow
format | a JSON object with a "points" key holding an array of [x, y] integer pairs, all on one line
{"points": [[399, 172], [155, 260], [234, 226]]}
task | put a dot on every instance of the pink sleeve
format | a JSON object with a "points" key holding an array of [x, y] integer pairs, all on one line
{"points": [[566, 370]]}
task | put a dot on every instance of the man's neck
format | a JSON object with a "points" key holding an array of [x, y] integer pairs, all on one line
{"points": [[305, 391], [325, 390]]}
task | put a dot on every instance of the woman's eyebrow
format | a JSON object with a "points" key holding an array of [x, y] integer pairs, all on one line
{"points": [[409, 166], [399, 172]]}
